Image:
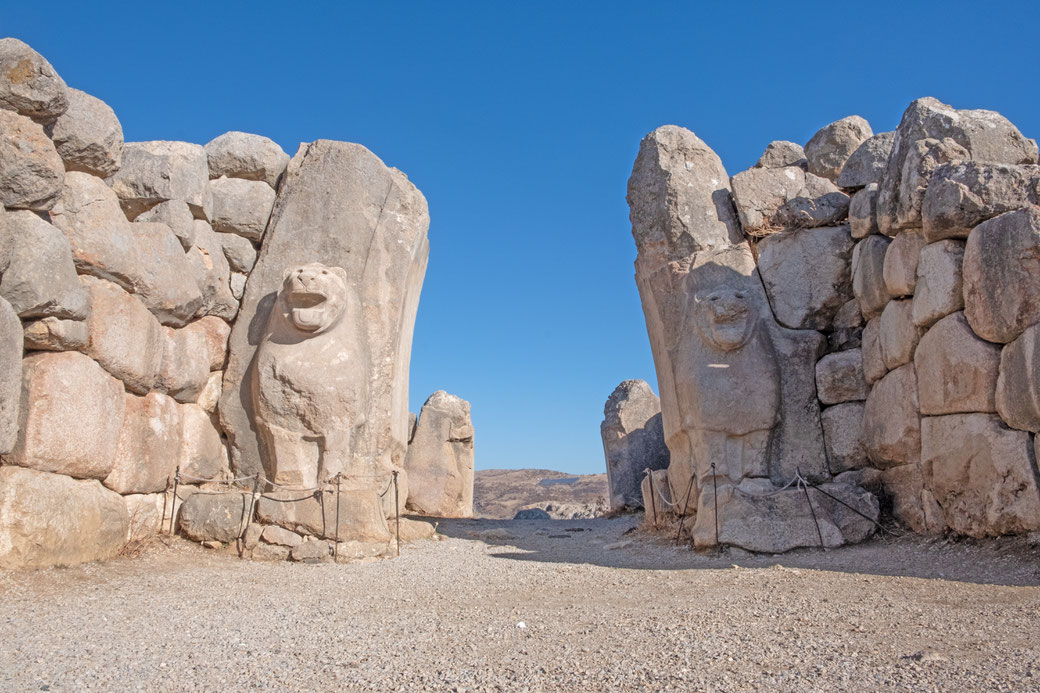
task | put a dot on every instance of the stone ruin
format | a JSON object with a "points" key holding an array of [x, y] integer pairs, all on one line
{"points": [[633, 441], [440, 458], [844, 324]]}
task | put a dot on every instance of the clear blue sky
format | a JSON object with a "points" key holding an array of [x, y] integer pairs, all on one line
{"points": [[520, 122]]}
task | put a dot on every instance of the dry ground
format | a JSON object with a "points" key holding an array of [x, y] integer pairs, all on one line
{"points": [[549, 609]]}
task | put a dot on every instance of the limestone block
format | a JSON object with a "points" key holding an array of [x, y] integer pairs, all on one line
{"points": [[214, 516], [867, 164], [154, 172], [149, 443], [807, 275], [28, 83], [848, 316], [781, 154], [891, 420], [361, 516], [774, 199], [239, 251], [315, 550], [833, 144], [843, 433], [88, 135], [413, 530], [210, 395], [898, 334], [939, 289], [921, 161], [241, 206], [189, 354], [984, 135], [242, 155], [54, 334], [633, 440], [1018, 384], [163, 280], [963, 194], [71, 416], [273, 534], [10, 375], [982, 474], [125, 338], [31, 172], [41, 279], [873, 360], [1002, 275], [51, 519], [202, 454], [868, 281], [912, 503], [863, 212], [177, 216], [839, 377], [145, 514], [956, 371], [212, 274], [238, 285], [901, 259]]}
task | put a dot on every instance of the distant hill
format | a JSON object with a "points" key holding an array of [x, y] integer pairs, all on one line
{"points": [[499, 493]]}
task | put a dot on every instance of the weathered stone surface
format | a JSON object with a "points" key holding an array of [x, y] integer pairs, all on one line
{"points": [[316, 550], [868, 275], [440, 459], [532, 514], [781, 154], [1018, 384], [125, 338], [71, 416], [50, 519], [241, 206], [28, 83], [239, 251], [873, 360], [360, 514], [863, 212], [202, 454], [189, 354], [982, 474], [54, 334], [774, 199], [149, 444], [177, 216], [901, 258], [273, 534], [210, 395], [848, 316], [843, 433], [956, 371], [898, 334], [867, 164], [214, 516], [891, 420], [212, 274], [633, 440], [163, 280], [912, 503], [41, 279], [145, 514], [939, 289], [88, 135], [984, 135], [921, 161], [238, 285], [31, 172], [833, 144], [157, 171], [242, 155], [963, 194], [1002, 275], [339, 205], [10, 375], [839, 377], [807, 275]]}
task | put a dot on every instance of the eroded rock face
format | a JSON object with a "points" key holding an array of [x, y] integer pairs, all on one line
{"points": [[1018, 384], [830, 148], [88, 136], [54, 334], [157, 171], [939, 289], [633, 440], [242, 155], [839, 377], [440, 459], [769, 200], [212, 274], [956, 371], [892, 420], [125, 338], [28, 83], [782, 153], [912, 503], [868, 275], [177, 216], [31, 171], [963, 194], [10, 375], [241, 206], [149, 444], [41, 279], [867, 164]]}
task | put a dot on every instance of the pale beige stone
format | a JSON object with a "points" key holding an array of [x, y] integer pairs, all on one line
{"points": [[833, 144], [873, 360], [40, 280], [54, 334], [189, 354], [149, 443], [360, 515], [202, 454], [214, 516], [891, 420], [163, 279], [145, 513], [243, 155], [901, 259], [912, 503], [776, 199], [10, 375], [210, 395], [212, 273], [239, 251], [898, 334], [867, 164], [88, 135], [440, 459], [1018, 383], [863, 212], [125, 338], [31, 172], [177, 216], [839, 377], [868, 280], [273, 534], [633, 441], [157, 171], [780, 154], [29, 84], [963, 194], [241, 206], [956, 371], [939, 289], [843, 433]]}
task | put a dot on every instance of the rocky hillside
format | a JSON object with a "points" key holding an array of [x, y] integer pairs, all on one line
{"points": [[499, 493]]}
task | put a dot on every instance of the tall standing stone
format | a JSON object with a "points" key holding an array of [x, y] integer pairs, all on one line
{"points": [[633, 441], [440, 458], [10, 375]]}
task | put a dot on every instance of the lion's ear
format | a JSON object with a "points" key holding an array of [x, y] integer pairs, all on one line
{"points": [[340, 272], [288, 271]]}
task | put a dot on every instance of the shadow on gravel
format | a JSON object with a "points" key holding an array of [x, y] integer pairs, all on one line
{"points": [[621, 543]]}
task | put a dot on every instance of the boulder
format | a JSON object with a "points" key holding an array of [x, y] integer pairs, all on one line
{"points": [[781, 154], [898, 334], [31, 172], [863, 212], [892, 421], [41, 279], [833, 144], [1018, 382], [901, 258], [413, 530], [10, 375], [145, 514], [843, 434], [28, 83], [239, 251], [807, 275], [51, 519], [868, 275], [956, 371], [361, 516], [189, 354], [867, 164], [54, 334], [440, 459], [982, 473], [873, 360], [212, 274], [839, 377], [1002, 275], [177, 216], [125, 338], [633, 441], [532, 514], [71, 416], [316, 550], [921, 161], [963, 194], [220, 516], [848, 316], [939, 289], [238, 285], [149, 443], [202, 454], [241, 206], [912, 503], [154, 172], [242, 155], [88, 136], [273, 534], [210, 395], [163, 279], [774, 199]]}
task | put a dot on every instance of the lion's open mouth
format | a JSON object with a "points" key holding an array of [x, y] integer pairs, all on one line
{"points": [[308, 309]]}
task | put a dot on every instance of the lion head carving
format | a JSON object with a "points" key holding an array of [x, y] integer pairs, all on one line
{"points": [[314, 297], [725, 317]]}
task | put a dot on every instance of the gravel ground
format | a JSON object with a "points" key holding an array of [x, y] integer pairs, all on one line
{"points": [[548, 609]]}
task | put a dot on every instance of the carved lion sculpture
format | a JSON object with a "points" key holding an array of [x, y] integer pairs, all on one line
{"points": [[310, 383]]}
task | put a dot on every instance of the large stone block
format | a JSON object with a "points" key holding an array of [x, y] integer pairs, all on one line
{"points": [[912, 503], [898, 334], [956, 371], [873, 360], [212, 273], [188, 356], [28, 83], [149, 444], [41, 278], [892, 420], [54, 334], [633, 441], [360, 517], [769, 200], [1018, 383], [781, 154], [843, 433], [963, 194], [177, 216], [901, 260], [214, 516], [241, 206], [863, 212], [10, 375], [832, 145], [154, 172], [839, 377], [242, 155], [239, 251], [31, 172], [125, 338], [202, 455], [440, 458], [88, 135], [51, 519], [867, 164], [146, 516], [163, 280], [868, 275], [71, 416], [939, 289], [982, 474]]}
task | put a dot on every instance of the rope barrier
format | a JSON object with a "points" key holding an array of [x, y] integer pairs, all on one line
{"points": [[217, 481], [838, 500], [397, 513], [715, 485], [686, 505], [653, 504], [805, 489]]}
